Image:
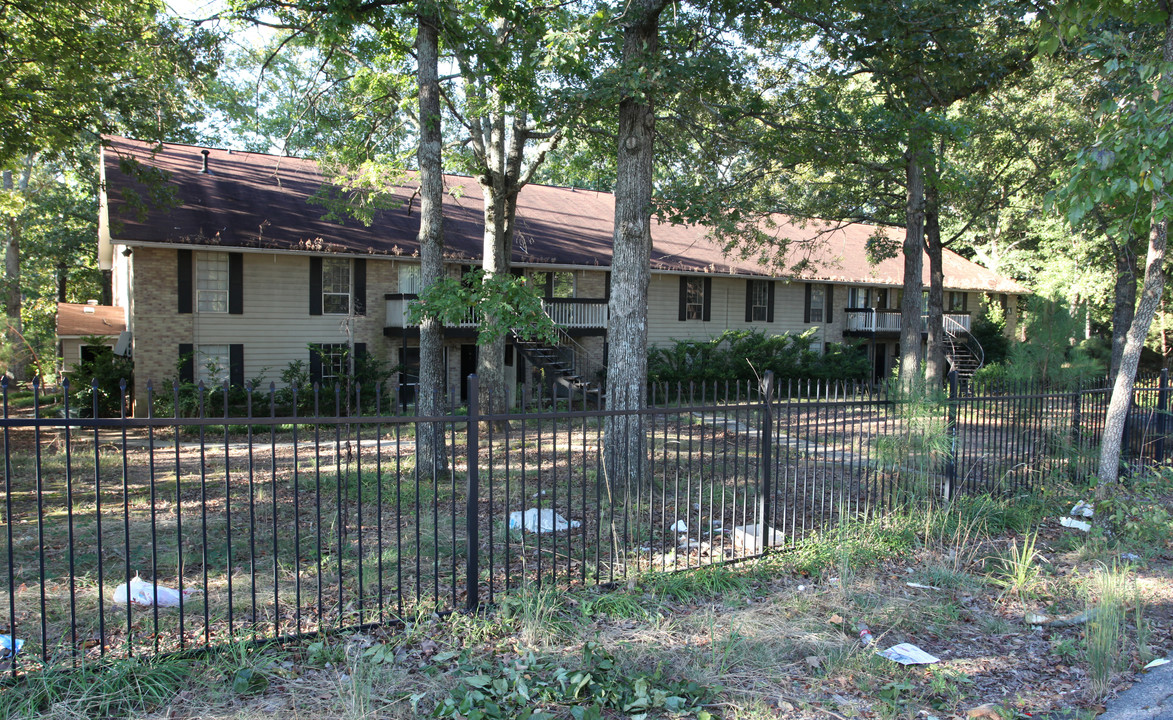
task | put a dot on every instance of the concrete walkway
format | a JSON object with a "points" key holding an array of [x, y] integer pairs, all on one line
{"points": [[1151, 698]]}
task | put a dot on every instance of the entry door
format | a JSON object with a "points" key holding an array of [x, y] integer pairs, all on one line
{"points": [[880, 352], [409, 380], [468, 366]]}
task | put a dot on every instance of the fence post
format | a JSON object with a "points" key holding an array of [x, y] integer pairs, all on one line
{"points": [[766, 488], [951, 462], [1162, 409], [471, 510]]}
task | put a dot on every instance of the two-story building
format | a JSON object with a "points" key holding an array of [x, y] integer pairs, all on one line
{"points": [[239, 274]]}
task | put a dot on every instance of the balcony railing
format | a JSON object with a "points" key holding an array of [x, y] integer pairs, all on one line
{"points": [[569, 313], [870, 320]]}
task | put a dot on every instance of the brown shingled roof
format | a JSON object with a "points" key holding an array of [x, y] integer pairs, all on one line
{"points": [[252, 200], [79, 320]]}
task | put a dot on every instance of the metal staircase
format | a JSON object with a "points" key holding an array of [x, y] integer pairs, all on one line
{"points": [[559, 366], [963, 351]]}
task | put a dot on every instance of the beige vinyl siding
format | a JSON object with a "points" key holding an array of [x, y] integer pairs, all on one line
{"points": [[71, 351], [727, 311], [276, 327]]}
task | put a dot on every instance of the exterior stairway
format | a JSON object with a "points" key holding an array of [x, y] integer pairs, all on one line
{"points": [[963, 351], [559, 371]]}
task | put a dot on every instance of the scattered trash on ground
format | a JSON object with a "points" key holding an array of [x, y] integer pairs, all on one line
{"points": [[909, 654], [1131, 557], [144, 593], [750, 538], [918, 586], [1157, 663], [1077, 524], [1039, 619], [1081, 510], [680, 526], [9, 647], [544, 521], [865, 635]]}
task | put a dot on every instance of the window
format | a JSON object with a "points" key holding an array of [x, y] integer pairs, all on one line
{"points": [[212, 282], [559, 284], [335, 287], [562, 285], [334, 361], [409, 279], [759, 300], [816, 304], [694, 298], [89, 353], [857, 297], [212, 364], [957, 302]]}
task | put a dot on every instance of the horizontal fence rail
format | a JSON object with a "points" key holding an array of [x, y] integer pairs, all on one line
{"points": [[279, 521]]}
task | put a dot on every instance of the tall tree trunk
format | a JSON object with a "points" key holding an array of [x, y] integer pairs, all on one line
{"points": [[1150, 298], [496, 257], [935, 354], [431, 457], [914, 242], [627, 332], [1123, 303]]}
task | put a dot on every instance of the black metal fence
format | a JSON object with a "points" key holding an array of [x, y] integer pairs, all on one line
{"points": [[270, 526]]}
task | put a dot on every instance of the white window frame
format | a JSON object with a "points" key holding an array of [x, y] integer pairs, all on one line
{"points": [[759, 290], [409, 279], [348, 294], [333, 360], [818, 303], [857, 297], [694, 298], [211, 282], [209, 354]]}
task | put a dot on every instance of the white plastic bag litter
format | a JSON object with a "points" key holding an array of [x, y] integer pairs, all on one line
{"points": [[9, 647], [1077, 524], [909, 654], [143, 593], [680, 527], [544, 521], [1082, 509]]}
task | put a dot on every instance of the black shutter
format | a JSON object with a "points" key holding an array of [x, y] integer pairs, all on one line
{"points": [[360, 351], [315, 286], [607, 285], [683, 313], [829, 299], [806, 305], [236, 365], [749, 300], [235, 284], [360, 287], [770, 303], [183, 280], [708, 306], [315, 362], [964, 302], [186, 361]]}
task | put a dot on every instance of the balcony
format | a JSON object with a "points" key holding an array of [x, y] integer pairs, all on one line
{"points": [[578, 315], [867, 321]]}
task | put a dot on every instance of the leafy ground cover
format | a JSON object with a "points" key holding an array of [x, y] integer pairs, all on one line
{"points": [[770, 638]]}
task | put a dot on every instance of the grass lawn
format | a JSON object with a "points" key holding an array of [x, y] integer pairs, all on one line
{"points": [[775, 637]]}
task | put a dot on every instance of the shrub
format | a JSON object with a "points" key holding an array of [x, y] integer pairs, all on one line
{"points": [[740, 355], [102, 374], [370, 373]]}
